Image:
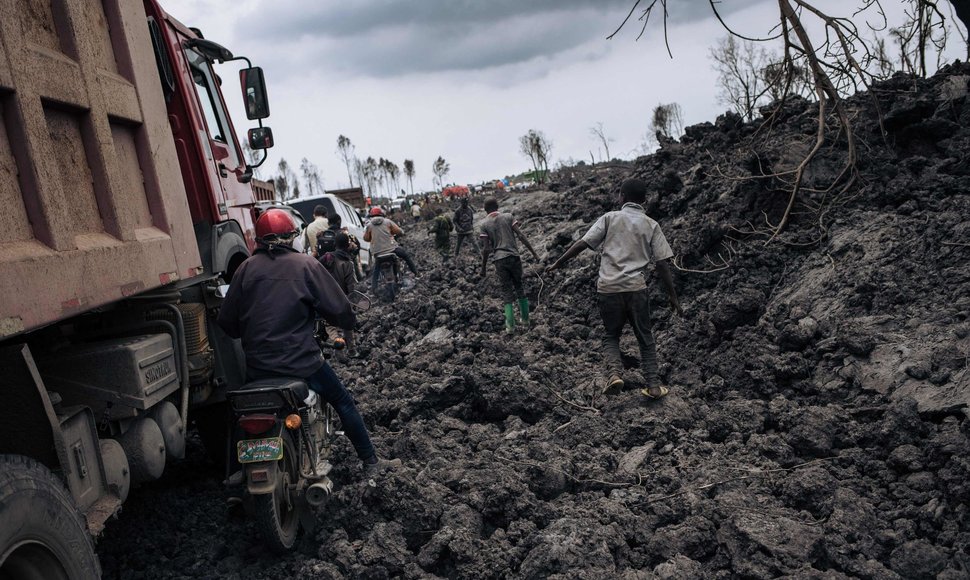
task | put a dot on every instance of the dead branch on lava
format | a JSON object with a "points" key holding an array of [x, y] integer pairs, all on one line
{"points": [[544, 381], [758, 474], [723, 261], [575, 479], [838, 66]]}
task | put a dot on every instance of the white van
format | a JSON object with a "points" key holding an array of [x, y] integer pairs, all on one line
{"points": [[348, 218]]}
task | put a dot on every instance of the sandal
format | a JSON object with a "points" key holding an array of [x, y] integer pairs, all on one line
{"points": [[613, 385], [660, 393]]}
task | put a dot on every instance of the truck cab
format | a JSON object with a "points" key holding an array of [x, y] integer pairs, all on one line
{"points": [[214, 169]]}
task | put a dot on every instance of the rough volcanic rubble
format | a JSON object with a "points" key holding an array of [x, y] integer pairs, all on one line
{"points": [[816, 426]]}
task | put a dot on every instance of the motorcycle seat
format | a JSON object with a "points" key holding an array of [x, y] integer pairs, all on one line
{"points": [[297, 386]]}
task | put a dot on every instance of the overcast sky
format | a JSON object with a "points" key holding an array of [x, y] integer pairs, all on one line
{"points": [[463, 79]]}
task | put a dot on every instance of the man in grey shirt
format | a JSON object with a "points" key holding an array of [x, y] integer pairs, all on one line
{"points": [[499, 232], [629, 241]]}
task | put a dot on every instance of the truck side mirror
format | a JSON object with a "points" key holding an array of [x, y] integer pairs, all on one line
{"points": [[260, 138], [254, 93]]}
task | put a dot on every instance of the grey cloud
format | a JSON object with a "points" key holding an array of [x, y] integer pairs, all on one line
{"points": [[343, 18], [382, 38], [524, 41]]}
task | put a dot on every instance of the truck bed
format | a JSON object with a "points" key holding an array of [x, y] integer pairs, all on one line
{"points": [[92, 206]]}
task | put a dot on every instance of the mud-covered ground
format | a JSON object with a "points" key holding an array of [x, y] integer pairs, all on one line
{"points": [[816, 425]]}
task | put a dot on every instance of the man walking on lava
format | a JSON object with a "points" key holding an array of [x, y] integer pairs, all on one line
{"points": [[464, 220], [629, 241], [441, 228], [499, 231]]}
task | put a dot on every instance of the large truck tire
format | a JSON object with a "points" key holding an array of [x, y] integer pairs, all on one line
{"points": [[42, 534]]}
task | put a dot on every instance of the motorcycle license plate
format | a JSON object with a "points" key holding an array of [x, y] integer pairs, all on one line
{"points": [[253, 450]]}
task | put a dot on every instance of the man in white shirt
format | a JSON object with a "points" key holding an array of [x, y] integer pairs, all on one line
{"points": [[314, 229], [629, 241]]}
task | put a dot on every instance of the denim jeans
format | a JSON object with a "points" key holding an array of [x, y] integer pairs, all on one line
{"points": [[400, 253], [326, 384], [616, 311]]}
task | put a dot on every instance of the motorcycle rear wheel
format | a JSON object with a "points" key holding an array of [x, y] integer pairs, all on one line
{"points": [[387, 283], [277, 514]]}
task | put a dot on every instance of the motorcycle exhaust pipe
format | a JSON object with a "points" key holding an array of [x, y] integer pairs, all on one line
{"points": [[319, 492]]}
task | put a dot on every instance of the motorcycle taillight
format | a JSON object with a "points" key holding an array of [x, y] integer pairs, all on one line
{"points": [[256, 424]]}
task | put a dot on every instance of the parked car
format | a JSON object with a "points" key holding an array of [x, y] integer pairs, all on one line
{"points": [[348, 218]]}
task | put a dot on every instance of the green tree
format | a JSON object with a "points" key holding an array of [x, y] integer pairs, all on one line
{"points": [[372, 176], [409, 173], [600, 134], [285, 181], [440, 168], [346, 151], [739, 64], [393, 173], [536, 147], [311, 177], [667, 122]]}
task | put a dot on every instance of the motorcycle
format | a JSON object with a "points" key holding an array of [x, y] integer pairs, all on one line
{"points": [[388, 277], [281, 441]]}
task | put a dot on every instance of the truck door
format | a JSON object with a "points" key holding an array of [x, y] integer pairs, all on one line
{"points": [[219, 143]]}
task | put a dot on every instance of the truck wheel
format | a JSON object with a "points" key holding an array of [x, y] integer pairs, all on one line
{"points": [[278, 513], [42, 534]]}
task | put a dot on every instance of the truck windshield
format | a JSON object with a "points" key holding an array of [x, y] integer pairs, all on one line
{"points": [[205, 88]]}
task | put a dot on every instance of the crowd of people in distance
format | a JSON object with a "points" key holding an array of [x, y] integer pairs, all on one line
{"points": [[278, 294]]}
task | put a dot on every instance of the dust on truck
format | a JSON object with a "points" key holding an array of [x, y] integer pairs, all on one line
{"points": [[124, 203]]}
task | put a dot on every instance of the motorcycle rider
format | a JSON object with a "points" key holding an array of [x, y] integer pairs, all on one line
{"points": [[341, 266], [354, 249], [380, 232], [271, 305]]}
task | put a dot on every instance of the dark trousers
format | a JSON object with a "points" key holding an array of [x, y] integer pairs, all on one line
{"points": [[326, 384], [471, 240], [375, 269], [509, 272], [443, 245], [616, 311], [402, 253]]}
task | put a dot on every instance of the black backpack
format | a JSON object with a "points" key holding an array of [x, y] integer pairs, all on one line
{"points": [[326, 241]]}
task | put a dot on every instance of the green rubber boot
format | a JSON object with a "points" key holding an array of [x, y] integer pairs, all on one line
{"points": [[524, 310], [509, 318]]}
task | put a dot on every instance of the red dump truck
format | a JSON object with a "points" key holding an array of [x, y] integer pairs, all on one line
{"points": [[125, 201]]}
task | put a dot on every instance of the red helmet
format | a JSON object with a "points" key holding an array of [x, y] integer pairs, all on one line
{"points": [[275, 225], [376, 211]]}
